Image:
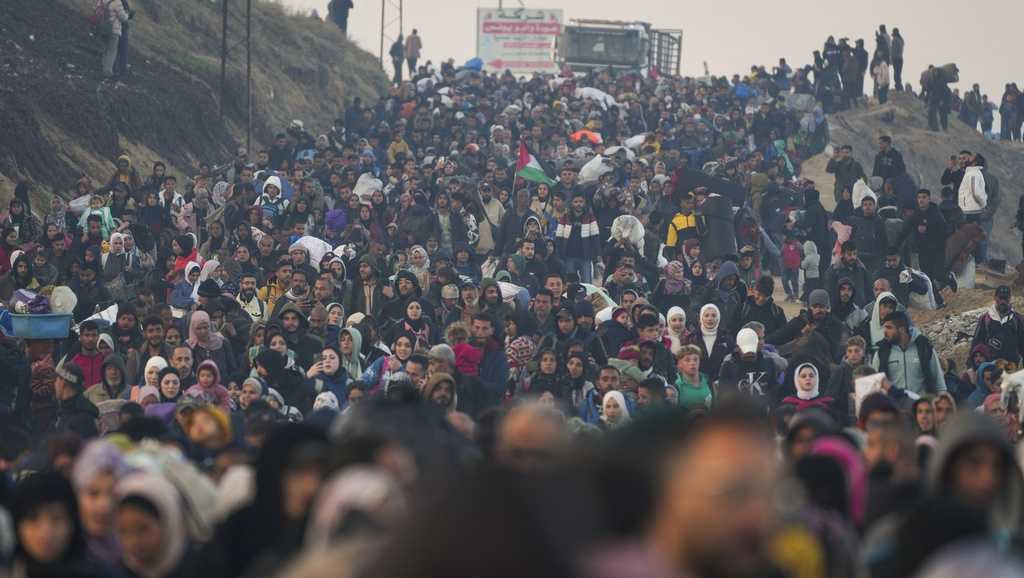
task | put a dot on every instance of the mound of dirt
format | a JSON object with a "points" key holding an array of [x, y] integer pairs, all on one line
{"points": [[905, 119], [61, 122]]}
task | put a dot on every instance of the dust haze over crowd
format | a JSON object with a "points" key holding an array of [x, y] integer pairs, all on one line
{"points": [[731, 35]]}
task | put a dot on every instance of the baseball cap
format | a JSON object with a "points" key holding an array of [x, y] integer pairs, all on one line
{"points": [[1003, 292], [747, 340]]}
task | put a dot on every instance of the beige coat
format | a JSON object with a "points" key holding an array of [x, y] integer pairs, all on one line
{"points": [[413, 46]]}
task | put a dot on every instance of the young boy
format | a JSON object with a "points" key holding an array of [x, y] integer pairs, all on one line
{"points": [[840, 387], [792, 255]]}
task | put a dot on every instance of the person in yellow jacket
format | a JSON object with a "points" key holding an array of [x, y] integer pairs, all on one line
{"points": [[277, 285], [398, 145], [683, 225]]}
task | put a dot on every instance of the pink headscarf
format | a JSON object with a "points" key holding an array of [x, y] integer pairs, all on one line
{"points": [[213, 342], [856, 476]]}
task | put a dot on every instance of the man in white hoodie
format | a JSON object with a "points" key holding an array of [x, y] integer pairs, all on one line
{"points": [[972, 197]]}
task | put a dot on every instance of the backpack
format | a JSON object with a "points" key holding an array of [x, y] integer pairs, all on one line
{"points": [[100, 23]]}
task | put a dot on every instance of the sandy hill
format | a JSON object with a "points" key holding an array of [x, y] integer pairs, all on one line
{"points": [[60, 121], [926, 154]]}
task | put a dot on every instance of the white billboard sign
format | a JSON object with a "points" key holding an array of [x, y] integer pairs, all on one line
{"points": [[521, 40]]}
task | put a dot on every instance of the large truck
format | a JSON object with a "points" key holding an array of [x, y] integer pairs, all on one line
{"points": [[588, 44]]}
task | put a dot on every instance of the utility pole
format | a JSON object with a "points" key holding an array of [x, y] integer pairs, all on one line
{"points": [[387, 31], [223, 54], [248, 76]]}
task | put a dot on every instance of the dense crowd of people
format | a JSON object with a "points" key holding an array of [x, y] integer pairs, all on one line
{"points": [[516, 327]]}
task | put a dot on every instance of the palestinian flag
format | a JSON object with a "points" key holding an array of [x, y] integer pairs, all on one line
{"points": [[528, 167]]}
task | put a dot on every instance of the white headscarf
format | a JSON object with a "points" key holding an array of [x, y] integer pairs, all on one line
{"points": [[796, 376], [675, 338], [159, 492], [621, 400], [710, 335], [208, 268]]}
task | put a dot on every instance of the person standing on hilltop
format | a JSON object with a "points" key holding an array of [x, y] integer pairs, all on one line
{"points": [[888, 162], [117, 14], [338, 10], [397, 54], [121, 62], [413, 47], [896, 56], [846, 169]]}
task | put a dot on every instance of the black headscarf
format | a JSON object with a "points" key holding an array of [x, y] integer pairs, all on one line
{"points": [[186, 244], [259, 535]]}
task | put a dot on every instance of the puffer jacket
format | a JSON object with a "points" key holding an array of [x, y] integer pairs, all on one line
{"points": [[972, 197]]}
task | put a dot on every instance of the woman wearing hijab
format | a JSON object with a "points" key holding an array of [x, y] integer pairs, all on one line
{"points": [[115, 261], [58, 214], [871, 328], [169, 391], [808, 393], [614, 412], [152, 528], [419, 265], [676, 330], [674, 289], [416, 325], [205, 272], [9, 243], [49, 534], [328, 375], [350, 343], [335, 320], [207, 344], [714, 344], [217, 240], [271, 366], [183, 247], [379, 372], [98, 468], [181, 297], [268, 531]]}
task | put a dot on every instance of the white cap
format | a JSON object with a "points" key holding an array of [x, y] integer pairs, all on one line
{"points": [[747, 340]]}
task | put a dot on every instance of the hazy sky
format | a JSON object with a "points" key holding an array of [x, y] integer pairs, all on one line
{"points": [[733, 34]]}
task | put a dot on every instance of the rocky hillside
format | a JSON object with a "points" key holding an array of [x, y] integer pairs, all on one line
{"points": [[926, 153], [59, 121]]}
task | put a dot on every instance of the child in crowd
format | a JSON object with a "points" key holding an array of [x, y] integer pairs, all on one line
{"points": [[792, 256], [208, 381]]}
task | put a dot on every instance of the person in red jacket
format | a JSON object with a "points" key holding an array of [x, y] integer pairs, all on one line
{"points": [[792, 256], [89, 357]]}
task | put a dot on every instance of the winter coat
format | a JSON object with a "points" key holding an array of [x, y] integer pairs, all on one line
{"points": [[711, 360], [847, 172], [831, 329], [770, 315], [869, 236], [1003, 335], [915, 368], [811, 260], [715, 228], [578, 238], [971, 196], [858, 276]]}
